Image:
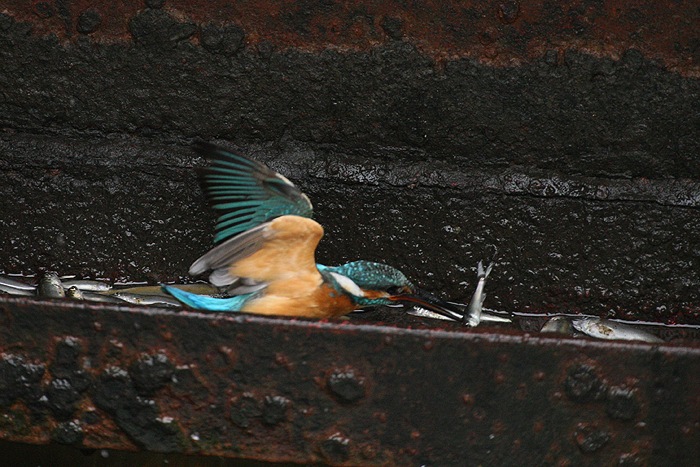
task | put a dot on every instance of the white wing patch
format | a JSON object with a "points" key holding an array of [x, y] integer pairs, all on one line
{"points": [[348, 285]]}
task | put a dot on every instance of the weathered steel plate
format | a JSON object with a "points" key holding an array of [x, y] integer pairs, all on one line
{"points": [[341, 392]]}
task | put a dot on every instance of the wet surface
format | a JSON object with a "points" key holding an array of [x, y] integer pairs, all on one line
{"points": [[580, 167], [132, 209]]}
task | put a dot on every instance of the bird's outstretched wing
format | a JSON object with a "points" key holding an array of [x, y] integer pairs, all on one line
{"points": [[278, 249], [246, 193]]}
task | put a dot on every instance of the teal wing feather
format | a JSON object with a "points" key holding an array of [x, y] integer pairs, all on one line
{"points": [[204, 302], [246, 193]]}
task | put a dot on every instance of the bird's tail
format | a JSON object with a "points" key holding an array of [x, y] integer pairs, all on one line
{"points": [[204, 302]]}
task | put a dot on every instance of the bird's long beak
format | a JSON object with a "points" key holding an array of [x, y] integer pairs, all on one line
{"points": [[430, 302]]}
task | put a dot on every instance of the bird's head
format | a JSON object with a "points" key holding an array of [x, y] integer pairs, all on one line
{"points": [[373, 284]]}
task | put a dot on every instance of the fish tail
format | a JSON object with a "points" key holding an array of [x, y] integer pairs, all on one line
{"points": [[480, 273]]}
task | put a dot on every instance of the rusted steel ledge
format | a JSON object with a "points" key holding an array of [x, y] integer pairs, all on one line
{"points": [[338, 392], [501, 33]]}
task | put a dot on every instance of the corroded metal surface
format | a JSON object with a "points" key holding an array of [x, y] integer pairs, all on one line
{"points": [[339, 392], [497, 32]]}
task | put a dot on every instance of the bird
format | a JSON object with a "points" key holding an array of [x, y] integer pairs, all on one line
{"points": [[264, 251]]}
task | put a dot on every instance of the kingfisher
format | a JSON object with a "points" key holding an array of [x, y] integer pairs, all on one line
{"points": [[264, 251]]}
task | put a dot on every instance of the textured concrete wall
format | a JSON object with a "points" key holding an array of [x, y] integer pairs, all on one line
{"points": [[610, 115], [576, 154]]}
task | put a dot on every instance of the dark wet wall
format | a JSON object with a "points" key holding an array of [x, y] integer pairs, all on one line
{"points": [[578, 163]]}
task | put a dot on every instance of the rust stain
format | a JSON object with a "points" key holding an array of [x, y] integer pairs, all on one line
{"points": [[280, 389], [500, 33]]}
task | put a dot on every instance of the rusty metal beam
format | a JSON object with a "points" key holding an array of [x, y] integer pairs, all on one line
{"points": [[345, 393], [500, 33]]}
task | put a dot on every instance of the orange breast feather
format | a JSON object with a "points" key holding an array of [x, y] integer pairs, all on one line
{"points": [[288, 250], [301, 296], [286, 262]]}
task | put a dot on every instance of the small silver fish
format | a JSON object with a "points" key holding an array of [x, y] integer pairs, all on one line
{"points": [[14, 291], [98, 297], [558, 325], [485, 316], [74, 293], [423, 313], [612, 330], [476, 305], [91, 286], [7, 282], [50, 286], [492, 318], [143, 299]]}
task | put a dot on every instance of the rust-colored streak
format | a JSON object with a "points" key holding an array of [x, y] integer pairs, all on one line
{"points": [[501, 33], [337, 393]]}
